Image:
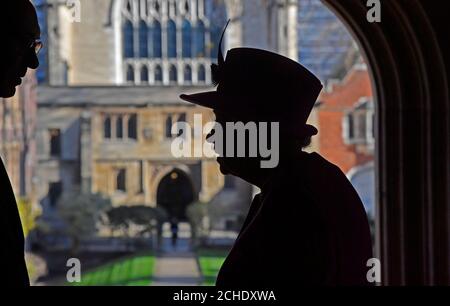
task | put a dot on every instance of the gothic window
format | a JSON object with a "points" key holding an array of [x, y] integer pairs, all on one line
{"points": [[186, 42], [170, 120], [130, 74], [118, 130], [187, 74], [156, 32], [158, 74], [201, 74], [119, 127], [107, 127], [143, 39], [132, 126], [144, 74], [173, 74], [171, 39], [200, 39], [128, 40], [121, 180], [168, 129], [54, 193], [55, 142], [156, 39]]}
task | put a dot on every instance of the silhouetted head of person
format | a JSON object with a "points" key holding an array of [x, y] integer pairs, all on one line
{"points": [[20, 35], [255, 87], [258, 145]]}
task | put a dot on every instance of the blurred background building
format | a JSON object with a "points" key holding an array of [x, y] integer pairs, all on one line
{"points": [[18, 142], [108, 95], [110, 85]]}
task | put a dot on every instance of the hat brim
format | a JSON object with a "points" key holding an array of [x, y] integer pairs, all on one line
{"points": [[213, 100], [209, 99]]}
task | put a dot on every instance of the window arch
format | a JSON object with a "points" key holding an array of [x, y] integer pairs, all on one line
{"points": [[119, 127], [201, 74], [128, 39], [158, 74], [107, 127], [132, 127], [171, 39], [144, 74], [187, 73], [158, 31], [156, 39], [130, 73], [168, 127], [173, 73], [200, 44], [143, 39], [121, 180], [186, 32]]}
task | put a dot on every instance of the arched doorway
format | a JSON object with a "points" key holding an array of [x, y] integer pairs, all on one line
{"points": [[175, 193]]}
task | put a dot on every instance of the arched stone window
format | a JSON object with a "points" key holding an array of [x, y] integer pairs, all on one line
{"points": [[132, 126], [119, 127], [171, 39], [107, 127], [144, 74], [201, 74], [143, 39], [155, 32], [121, 180], [130, 74], [200, 45], [156, 39], [158, 74], [186, 41], [187, 74], [168, 127], [128, 39], [173, 77]]}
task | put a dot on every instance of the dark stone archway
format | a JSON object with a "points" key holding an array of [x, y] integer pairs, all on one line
{"points": [[408, 54], [175, 192]]}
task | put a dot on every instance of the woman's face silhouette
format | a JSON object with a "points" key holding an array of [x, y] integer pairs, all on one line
{"points": [[244, 167]]}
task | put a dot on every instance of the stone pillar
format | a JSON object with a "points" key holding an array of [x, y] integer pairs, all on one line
{"points": [[86, 152], [287, 28], [234, 30]]}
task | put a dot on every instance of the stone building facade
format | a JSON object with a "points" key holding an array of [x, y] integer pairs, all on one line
{"points": [[17, 138]]}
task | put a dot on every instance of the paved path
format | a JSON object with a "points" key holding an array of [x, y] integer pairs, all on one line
{"points": [[176, 266]]}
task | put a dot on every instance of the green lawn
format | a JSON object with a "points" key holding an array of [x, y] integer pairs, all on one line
{"points": [[136, 270], [210, 261]]}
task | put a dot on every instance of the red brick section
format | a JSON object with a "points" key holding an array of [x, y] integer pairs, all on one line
{"points": [[335, 102]]}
